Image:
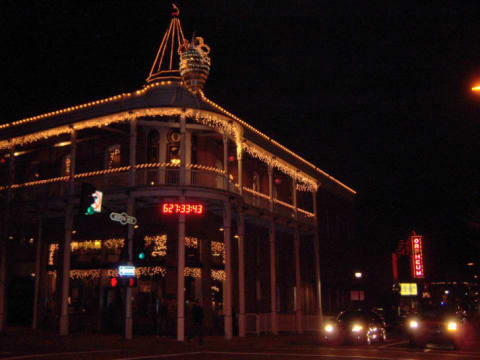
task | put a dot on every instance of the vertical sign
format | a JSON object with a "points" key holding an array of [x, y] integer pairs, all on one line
{"points": [[417, 257]]}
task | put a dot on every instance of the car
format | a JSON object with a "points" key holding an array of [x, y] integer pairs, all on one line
{"points": [[355, 327], [438, 324]]}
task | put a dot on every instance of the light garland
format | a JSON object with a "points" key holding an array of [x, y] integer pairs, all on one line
{"points": [[306, 213], [86, 245], [97, 273], [269, 159], [204, 117], [51, 253], [115, 243], [192, 272], [218, 248], [218, 275], [256, 193], [196, 273], [191, 242], [158, 244], [284, 204]]}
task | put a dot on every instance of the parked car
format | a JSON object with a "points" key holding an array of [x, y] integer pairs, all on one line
{"points": [[355, 327], [439, 323]]}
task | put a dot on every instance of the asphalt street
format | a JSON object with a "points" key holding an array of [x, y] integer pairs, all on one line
{"points": [[283, 347]]}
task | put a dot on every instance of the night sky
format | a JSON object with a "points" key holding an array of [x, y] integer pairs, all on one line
{"points": [[376, 93]]}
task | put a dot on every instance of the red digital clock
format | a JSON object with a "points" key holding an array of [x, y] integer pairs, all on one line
{"points": [[183, 208]]}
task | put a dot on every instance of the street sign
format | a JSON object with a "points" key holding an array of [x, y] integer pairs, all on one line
{"points": [[126, 270], [123, 218]]}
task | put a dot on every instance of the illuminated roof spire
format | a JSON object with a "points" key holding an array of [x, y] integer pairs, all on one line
{"points": [[166, 64]]}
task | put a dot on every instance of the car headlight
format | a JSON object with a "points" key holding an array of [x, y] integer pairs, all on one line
{"points": [[413, 324], [452, 326], [329, 328], [357, 328]]}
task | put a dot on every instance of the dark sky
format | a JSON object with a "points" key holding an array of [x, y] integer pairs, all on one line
{"points": [[376, 93]]}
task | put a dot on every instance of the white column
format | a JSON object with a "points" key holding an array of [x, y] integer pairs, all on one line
{"points": [[298, 284], [183, 149], [242, 329], [38, 260], [294, 196], [227, 238], [240, 170], [258, 289], [3, 243], [64, 323], [273, 279], [162, 155], [181, 277], [130, 211], [270, 185], [316, 245], [188, 157], [226, 180]]}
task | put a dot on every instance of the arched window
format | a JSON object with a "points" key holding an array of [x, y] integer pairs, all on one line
{"points": [[152, 146]]}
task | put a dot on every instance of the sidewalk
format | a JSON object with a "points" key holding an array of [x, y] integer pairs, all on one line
{"points": [[21, 340]]}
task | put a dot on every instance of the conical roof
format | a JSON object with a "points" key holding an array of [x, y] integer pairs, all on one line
{"points": [[166, 64]]}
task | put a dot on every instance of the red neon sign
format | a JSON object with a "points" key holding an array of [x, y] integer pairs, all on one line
{"points": [[183, 208], [417, 257]]}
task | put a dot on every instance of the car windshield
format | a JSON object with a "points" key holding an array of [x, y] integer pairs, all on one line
{"points": [[349, 316], [430, 310]]}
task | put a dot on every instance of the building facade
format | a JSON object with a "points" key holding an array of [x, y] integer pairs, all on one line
{"points": [[224, 214]]}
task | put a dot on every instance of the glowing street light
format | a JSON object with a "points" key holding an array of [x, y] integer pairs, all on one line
{"points": [[358, 275], [476, 88]]}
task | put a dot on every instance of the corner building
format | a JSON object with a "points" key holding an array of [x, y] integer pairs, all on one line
{"points": [[251, 258]]}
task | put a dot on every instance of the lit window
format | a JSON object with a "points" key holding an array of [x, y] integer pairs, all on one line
{"points": [[256, 182], [152, 146], [113, 157], [66, 165]]}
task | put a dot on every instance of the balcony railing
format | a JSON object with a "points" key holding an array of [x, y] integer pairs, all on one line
{"points": [[154, 175]]}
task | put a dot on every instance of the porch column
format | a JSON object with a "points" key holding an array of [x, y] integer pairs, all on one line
{"points": [[3, 243], [162, 155], [181, 277], [188, 157], [316, 246], [273, 279], [183, 149], [38, 259], [227, 238], [241, 274], [270, 185], [240, 169], [226, 180], [131, 212], [258, 288], [298, 284], [64, 323]]}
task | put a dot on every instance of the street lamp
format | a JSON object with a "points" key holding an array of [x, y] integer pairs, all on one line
{"points": [[358, 275], [476, 88]]}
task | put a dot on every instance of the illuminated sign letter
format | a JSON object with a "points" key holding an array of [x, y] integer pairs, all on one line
{"points": [[417, 257]]}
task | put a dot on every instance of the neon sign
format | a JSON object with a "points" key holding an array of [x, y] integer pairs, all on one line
{"points": [[183, 208], [417, 257]]}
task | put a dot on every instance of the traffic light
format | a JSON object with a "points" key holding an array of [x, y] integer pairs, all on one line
{"points": [[87, 199], [132, 282], [120, 281]]}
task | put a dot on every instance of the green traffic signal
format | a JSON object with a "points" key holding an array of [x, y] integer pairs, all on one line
{"points": [[141, 255]]}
